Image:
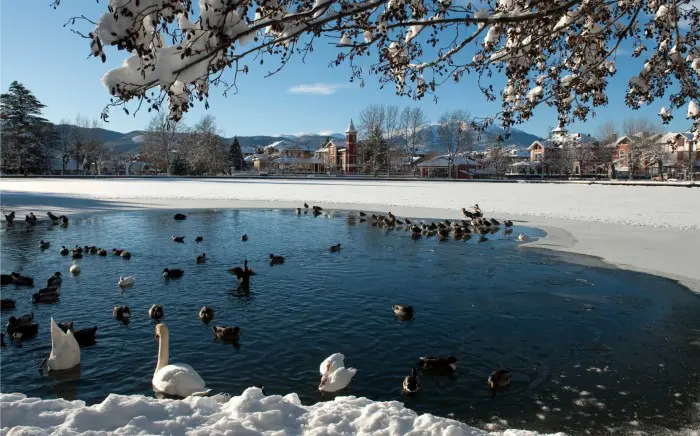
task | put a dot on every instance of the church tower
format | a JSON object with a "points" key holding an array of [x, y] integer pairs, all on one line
{"points": [[351, 149]]}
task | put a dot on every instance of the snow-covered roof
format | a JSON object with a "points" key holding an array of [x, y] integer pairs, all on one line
{"points": [[351, 128], [286, 144], [518, 153], [444, 161], [254, 157], [672, 136]]}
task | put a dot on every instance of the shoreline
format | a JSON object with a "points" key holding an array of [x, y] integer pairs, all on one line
{"points": [[669, 249]]}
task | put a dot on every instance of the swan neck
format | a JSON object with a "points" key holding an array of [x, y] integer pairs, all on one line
{"points": [[163, 345]]}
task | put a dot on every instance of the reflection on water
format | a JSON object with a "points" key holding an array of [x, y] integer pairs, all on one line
{"points": [[589, 347]]}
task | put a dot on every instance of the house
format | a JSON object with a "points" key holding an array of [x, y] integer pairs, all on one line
{"points": [[282, 155], [549, 154], [463, 167], [335, 157], [677, 148]]}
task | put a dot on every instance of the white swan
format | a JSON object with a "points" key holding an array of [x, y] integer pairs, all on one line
{"points": [[178, 378], [75, 269], [126, 281], [334, 375], [65, 351]]}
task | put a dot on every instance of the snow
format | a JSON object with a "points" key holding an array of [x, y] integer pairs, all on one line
{"points": [[693, 110], [251, 413], [620, 223]]}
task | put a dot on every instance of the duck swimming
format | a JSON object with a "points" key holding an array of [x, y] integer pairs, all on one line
{"points": [[411, 384], [335, 248], [85, 337], [244, 237], [19, 280], [75, 268], [173, 273], [7, 304], [178, 239], [226, 334], [198, 239], [22, 327], [242, 274], [53, 217], [125, 255], [64, 220], [31, 219], [122, 313], [498, 379], [180, 217], [202, 258], [63, 251], [156, 311], [438, 363], [10, 218], [55, 280], [404, 312], [206, 313], [275, 260], [117, 252]]}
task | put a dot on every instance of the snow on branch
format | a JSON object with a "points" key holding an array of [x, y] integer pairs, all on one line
{"points": [[558, 52]]}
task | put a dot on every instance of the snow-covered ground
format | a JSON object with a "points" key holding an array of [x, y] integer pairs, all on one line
{"points": [[655, 229], [251, 413]]}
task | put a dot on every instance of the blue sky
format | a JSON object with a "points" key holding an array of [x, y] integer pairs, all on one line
{"points": [[306, 97]]}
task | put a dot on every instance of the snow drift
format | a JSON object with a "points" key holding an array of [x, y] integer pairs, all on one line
{"points": [[251, 413]]}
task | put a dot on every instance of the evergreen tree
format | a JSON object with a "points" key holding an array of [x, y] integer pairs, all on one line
{"points": [[27, 136], [235, 155], [178, 166]]}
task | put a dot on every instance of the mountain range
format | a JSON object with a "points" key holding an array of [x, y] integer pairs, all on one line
{"points": [[129, 142]]}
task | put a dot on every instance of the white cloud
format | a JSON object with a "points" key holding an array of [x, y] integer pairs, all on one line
{"points": [[326, 132], [317, 88]]}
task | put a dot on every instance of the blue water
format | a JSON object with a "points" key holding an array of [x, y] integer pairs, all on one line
{"points": [[591, 348]]}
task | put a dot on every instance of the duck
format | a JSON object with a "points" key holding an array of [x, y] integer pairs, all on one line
{"points": [[101, 252], [507, 232], [117, 252], [20, 280], [31, 219], [508, 223], [126, 281], [177, 379], [92, 249], [22, 327], [55, 280], [173, 273], [467, 214], [202, 258], [75, 268], [156, 311], [362, 213], [298, 211], [244, 237], [334, 375], [412, 384], [206, 313], [46, 295], [6, 279], [495, 222], [227, 334], [122, 313], [335, 247], [7, 304], [180, 217], [63, 251], [178, 238], [10, 218], [401, 311], [125, 255], [498, 379], [77, 255], [63, 219], [306, 206], [53, 217], [275, 260], [65, 351], [522, 237], [317, 208], [242, 274], [198, 239], [448, 363], [85, 337]]}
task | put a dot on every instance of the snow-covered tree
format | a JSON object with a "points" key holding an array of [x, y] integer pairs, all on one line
{"points": [[497, 159], [455, 135], [203, 148], [161, 141], [27, 137], [644, 135], [558, 52]]}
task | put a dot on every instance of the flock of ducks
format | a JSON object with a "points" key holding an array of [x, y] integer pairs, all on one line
{"points": [[181, 379]]}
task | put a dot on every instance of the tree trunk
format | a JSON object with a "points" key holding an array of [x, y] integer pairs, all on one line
{"points": [[691, 172]]}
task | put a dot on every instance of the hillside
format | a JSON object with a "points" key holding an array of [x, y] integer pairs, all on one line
{"points": [[129, 142]]}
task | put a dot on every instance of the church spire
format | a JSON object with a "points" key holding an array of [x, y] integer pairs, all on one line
{"points": [[351, 128]]}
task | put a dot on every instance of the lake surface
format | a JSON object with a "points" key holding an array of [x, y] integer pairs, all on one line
{"points": [[590, 348]]}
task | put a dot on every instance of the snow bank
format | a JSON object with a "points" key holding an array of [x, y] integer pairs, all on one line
{"points": [[650, 206], [251, 413]]}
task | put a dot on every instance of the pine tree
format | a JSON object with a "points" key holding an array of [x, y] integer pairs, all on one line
{"points": [[178, 167], [27, 136], [235, 155]]}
